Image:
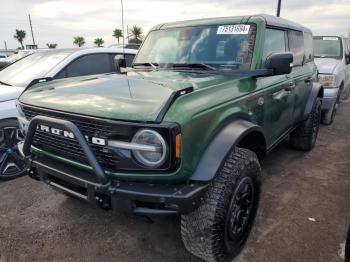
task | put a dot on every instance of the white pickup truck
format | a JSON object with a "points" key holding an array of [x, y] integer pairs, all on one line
{"points": [[332, 58]]}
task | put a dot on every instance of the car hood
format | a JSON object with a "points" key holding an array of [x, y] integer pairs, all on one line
{"points": [[9, 92], [326, 65], [139, 96]]}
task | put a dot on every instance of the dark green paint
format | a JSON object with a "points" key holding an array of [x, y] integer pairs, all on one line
{"points": [[216, 101]]}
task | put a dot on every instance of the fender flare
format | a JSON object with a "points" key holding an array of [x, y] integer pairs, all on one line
{"points": [[316, 91], [227, 138]]}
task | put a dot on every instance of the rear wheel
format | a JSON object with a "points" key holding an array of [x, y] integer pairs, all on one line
{"points": [[12, 164], [218, 229], [304, 136]]}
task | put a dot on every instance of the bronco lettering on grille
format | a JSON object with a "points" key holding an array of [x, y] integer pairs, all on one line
{"points": [[68, 134]]}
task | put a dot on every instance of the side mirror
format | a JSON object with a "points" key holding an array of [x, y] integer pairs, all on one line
{"points": [[347, 59], [280, 63], [119, 62]]}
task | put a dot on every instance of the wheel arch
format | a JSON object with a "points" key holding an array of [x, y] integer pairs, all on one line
{"points": [[240, 133], [316, 91]]}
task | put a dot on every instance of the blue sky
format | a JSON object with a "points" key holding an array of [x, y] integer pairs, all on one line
{"points": [[57, 21]]}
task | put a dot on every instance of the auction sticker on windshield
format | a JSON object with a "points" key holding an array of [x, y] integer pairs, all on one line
{"points": [[330, 38], [233, 29]]}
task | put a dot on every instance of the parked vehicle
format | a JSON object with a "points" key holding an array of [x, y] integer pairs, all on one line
{"points": [[129, 46], [183, 132], [15, 57], [52, 64], [332, 57]]}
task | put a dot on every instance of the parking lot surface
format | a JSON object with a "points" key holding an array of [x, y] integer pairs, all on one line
{"points": [[303, 215]]}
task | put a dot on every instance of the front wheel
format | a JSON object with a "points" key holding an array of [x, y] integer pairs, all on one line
{"points": [[328, 117], [12, 164], [218, 229]]}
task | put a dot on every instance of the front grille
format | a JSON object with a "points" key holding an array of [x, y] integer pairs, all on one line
{"points": [[70, 148]]}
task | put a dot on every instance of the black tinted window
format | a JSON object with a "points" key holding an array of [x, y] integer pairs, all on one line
{"points": [[296, 46], [90, 65], [128, 59], [274, 42], [309, 50]]}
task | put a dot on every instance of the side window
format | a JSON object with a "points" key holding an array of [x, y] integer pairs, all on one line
{"points": [[309, 49], [296, 46], [62, 74], [90, 65], [129, 58], [275, 41]]}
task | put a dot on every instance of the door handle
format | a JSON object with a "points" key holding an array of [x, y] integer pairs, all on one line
{"points": [[308, 80], [290, 87], [280, 94]]}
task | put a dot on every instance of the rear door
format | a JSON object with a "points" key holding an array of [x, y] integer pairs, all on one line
{"points": [[302, 72], [279, 97]]}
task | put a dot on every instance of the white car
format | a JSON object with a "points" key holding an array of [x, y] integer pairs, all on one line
{"points": [[332, 58], [46, 65]]}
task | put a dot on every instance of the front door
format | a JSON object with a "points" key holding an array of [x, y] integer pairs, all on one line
{"points": [[279, 105]]}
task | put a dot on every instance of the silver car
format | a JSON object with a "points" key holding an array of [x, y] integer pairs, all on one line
{"points": [[332, 58], [43, 66]]}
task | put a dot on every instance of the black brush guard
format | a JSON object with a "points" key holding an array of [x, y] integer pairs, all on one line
{"points": [[99, 188]]}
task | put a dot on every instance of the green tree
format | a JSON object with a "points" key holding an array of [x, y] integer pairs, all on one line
{"points": [[117, 33], [79, 41], [20, 35], [136, 34], [51, 45], [99, 42]]}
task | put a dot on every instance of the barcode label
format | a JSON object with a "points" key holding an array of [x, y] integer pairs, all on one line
{"points": [[330, 38], [233, 29]]}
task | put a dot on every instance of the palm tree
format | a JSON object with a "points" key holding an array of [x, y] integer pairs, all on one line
{"points": [[117, 33], [52, 45], [20, 35], [79, 41], [136, 34], [99, 42]]}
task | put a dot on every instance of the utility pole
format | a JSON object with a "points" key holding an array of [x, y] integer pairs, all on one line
{"points": [[31, 28], [127, 32], [279, 8], [5, 45]]}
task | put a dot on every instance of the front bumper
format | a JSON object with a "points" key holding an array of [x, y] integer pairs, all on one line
{"points": [[98, 188], [330, 96]]}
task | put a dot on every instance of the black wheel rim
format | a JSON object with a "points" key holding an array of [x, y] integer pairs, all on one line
{"points": [[240, 214], [11, 162]]}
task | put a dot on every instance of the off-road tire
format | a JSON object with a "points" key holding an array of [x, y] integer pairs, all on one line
{"points": [[328, 117], [205, 232], [347, 247], [305, 135]]}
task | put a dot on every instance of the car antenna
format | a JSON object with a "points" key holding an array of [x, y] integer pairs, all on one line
{"points": [[127, 79], [123, 27]]}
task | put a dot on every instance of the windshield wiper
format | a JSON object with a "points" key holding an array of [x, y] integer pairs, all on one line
{"points": [[153, 65], [194, 65], [5, 84]]}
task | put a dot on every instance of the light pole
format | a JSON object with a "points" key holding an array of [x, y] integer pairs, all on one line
{"points": [[279, 8]]}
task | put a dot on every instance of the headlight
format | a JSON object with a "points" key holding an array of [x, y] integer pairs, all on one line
{"points": [[327, 80], [23, 122], [152, 149]]}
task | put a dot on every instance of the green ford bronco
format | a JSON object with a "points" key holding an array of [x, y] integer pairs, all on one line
{"points": [[185, 130]]}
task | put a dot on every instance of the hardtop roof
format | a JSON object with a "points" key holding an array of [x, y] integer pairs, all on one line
{"points": [[270, 20]]}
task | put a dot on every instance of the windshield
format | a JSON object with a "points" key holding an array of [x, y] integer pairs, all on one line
{"points": [[326, 46], [37, 65], [229, 46]]}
